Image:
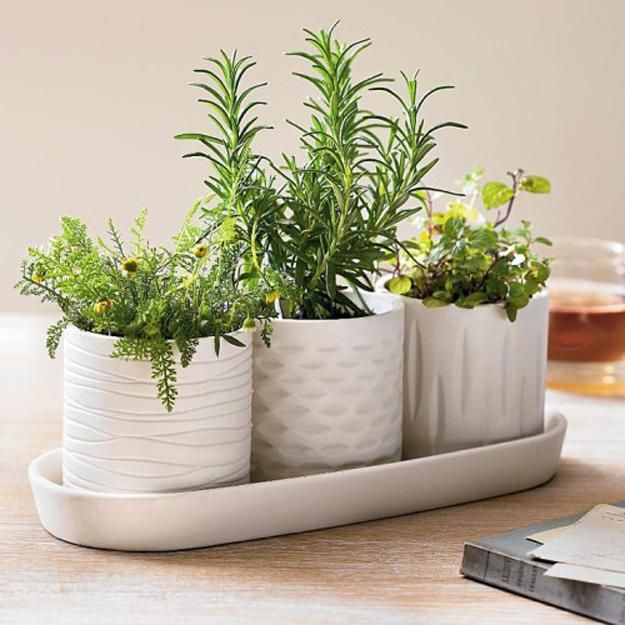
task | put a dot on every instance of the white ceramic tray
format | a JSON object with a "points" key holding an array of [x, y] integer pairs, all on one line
{"points": [[203, 518]]}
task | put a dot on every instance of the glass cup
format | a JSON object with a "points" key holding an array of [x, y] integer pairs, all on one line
{"points": [[587, 316]]}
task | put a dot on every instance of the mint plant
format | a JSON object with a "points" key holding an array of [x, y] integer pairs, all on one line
{"points": [[461, 258], [152, 298]]}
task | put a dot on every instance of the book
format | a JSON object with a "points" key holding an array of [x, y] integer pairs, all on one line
{"points": [[502, 560]]}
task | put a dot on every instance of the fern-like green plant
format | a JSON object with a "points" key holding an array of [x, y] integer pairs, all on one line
{"points": [[150, 298]]}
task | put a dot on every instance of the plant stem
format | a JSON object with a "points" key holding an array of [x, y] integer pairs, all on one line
{"points": [[516, 176], [430, 212]]}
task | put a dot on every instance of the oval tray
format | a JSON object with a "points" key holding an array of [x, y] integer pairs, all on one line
{"points": [[203, 518]]}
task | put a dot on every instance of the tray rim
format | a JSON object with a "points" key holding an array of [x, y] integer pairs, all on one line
{"points": [[556, 425]]}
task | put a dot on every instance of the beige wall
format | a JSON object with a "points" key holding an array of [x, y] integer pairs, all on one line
{"points": [[92, 92]]}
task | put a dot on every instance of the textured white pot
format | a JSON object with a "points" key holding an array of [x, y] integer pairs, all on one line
{"points": [[471, 377], [118, 437], [327, 394]]}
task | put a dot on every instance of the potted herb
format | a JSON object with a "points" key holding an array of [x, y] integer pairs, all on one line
{"points": [[476, 321], [157, 358], [327, 395]]}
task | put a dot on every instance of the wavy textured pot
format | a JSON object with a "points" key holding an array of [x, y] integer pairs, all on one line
{"points": [[118, 437], [327, 394], [471, 377]]}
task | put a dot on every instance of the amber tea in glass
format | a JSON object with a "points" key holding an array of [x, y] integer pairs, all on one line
{"points": [[587, 316]]}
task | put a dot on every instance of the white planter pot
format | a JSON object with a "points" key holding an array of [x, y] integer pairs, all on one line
{"points": [[327, 394], [118, 437], [471, 377]]}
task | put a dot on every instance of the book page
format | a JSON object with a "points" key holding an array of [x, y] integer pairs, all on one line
{"points": [[587, 574], [547, 535], [597, 540]]}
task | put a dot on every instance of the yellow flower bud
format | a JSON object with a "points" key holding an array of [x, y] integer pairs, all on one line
{"points": [[130, 266], [249, 325], [271, 297], [102, 305], [39, 277], [200, 251]]}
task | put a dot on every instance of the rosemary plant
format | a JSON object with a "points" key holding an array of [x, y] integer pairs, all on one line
{"points": [[361, 176], [155, 300], [461, 258], [242, 196]]}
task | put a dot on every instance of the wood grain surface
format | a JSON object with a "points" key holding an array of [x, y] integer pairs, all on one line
{"points": [[397, 571]]}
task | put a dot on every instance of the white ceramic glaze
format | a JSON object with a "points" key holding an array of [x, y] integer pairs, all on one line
{"points": [[223, 515], [327, 394], [118, 437], [472, 377]]}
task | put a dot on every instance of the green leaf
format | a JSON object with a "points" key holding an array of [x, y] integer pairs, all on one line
{"points": [[232, 340], [496, 194], [535, 184], [516, 289], [517, 295], [433, 302], [399, 285], [187, 347], [164, 373], [54, 335], [542, 272], [411, 244], [483, 237], [453, 226], [543, 241], [520, 301], [511, 311], [472, 300], [532, 286]]}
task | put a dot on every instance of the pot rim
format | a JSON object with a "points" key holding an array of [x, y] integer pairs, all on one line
{"points": [[396, 306], [381, 284]]}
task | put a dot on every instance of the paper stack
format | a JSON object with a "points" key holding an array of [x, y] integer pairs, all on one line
{"points": [[590, 550]]}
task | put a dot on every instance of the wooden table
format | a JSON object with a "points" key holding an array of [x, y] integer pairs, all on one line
{"points": [[401, 570]]}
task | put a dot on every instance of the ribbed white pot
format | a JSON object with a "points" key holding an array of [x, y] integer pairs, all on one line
{"points": [[471, 377], [118, 437], [327, 394]]}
